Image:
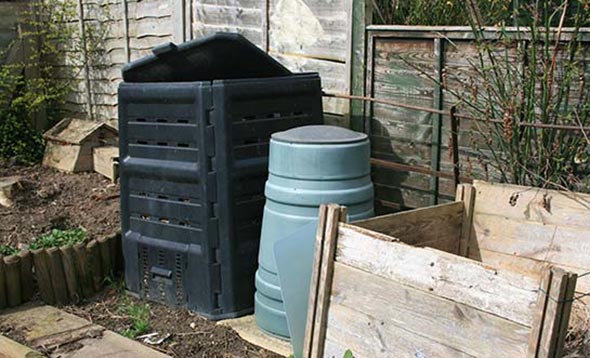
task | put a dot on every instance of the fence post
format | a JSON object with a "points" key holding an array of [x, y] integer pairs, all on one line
{"points": [[85, 58], [360, 16], [437, 119]]}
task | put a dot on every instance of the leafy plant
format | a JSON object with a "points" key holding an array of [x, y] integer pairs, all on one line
{"points": [[58, 238], [6, 250], [36, 87], [139, 314]]}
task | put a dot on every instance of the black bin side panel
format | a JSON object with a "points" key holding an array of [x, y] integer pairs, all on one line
{"points": [[246, 113], [165, 195]]}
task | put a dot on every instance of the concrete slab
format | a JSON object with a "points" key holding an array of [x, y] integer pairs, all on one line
{"points": [[113, 345], [247, 329], [36, 321], [12, 349], [48, 327]]}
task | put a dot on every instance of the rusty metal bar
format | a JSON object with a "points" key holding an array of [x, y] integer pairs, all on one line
{"points": [[411, 168], [455, 145], [460, 116]]}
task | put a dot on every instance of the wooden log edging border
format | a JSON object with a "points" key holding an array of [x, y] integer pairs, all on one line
{"points": [[63, 275]]}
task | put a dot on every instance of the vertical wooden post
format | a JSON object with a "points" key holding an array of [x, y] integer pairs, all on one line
{"points": [[437, 120], [106, 260], [71, 274], [315, 276], [360, 16], [13, 284], [466, 194], [94, 261], [26, 275], [58, 278], [82, 30], [325, 281], [41, 261], [3, 299], [266, 25], [179, 21], [82, 266], [126, 30]]}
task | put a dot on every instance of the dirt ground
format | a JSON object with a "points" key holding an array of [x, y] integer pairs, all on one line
{"points": [[190, 334], [46, 199]]}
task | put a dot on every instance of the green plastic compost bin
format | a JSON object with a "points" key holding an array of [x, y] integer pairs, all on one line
{"points": [[308, 166]]}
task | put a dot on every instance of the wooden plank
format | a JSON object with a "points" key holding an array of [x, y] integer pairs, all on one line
{"points": [[325, 280], [456, 278], [429, 226], [105, 247], [553, 313], [364, 336], [457, 326], [557, 244], [539, 315], [532, 204], [566, 312], [247, 329], [466, 194], [315, 279]]}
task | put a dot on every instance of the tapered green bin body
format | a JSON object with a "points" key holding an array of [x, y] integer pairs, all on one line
{"points": [[308, 166]]}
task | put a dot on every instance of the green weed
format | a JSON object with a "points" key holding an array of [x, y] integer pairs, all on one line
{"points": [[139, 314], [58, 238], [6, 250]]}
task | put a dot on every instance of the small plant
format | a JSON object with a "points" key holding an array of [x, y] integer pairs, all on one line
{"points": [[6, 250], [58, 238], [139, 314]]}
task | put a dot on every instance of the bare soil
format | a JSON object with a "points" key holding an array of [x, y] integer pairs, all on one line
{"points": [[47, 198], [190, 334]]}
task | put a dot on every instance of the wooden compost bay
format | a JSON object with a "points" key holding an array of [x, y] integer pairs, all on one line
{"points": [[490, 275]]}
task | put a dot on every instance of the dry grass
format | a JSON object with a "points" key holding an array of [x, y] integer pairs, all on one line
{"points": [[577, 343]]}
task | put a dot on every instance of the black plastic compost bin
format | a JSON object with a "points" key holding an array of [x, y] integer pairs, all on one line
{"points": [[195, 122]]}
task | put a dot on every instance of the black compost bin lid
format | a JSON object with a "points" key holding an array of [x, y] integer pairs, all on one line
{"points": [[215, 57]]}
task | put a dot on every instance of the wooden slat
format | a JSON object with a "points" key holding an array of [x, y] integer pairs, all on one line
{"points": [[449, 276], [556, 244], [539, 315], [466, 194], [533, 204], [384, 305], [565, 313], [437, 227], [315, 278], [13, 282], [325, 280], [553, 313]]}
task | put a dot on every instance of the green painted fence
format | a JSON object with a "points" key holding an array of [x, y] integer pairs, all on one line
{"points": [[406, 64]]}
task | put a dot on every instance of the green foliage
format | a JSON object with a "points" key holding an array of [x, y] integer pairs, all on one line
{"points": [[460, 12], [439, 12], [17, 139], [36, 86], [348, 354], [6, 250], [58, 238], [520, 85], [139, 314]]}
